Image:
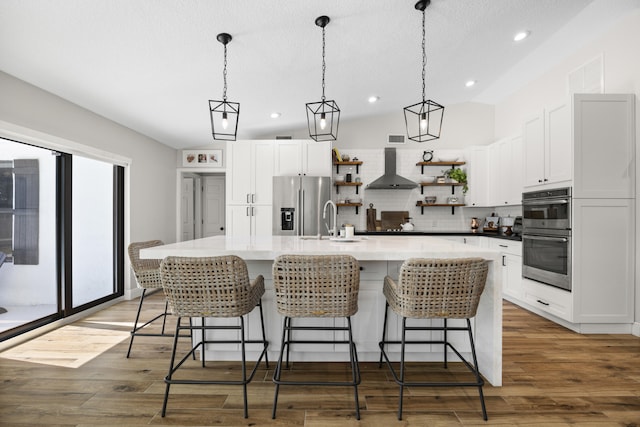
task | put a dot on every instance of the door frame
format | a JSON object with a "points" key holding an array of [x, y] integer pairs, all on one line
{"points": [[185, 172]]}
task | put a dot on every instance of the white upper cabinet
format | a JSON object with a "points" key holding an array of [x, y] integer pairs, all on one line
{"points": [[477, 158], [505, 172], [302, 157], [250, 167], [547, 147], [604, 134]]}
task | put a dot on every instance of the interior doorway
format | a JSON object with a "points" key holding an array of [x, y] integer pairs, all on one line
{"points": [[202, 205]]}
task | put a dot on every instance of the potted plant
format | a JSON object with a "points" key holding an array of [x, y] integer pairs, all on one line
{"points": [[458, 175]]}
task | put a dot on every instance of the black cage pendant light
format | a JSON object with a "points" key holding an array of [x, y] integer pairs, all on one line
{"points": [[323, 117], [424, 119], [224, 114]]}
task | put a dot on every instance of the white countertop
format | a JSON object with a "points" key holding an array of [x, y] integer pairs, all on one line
{"points": [[364, 248]]}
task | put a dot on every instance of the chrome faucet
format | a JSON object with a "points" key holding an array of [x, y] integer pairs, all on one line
{"points": [[335, 216]]}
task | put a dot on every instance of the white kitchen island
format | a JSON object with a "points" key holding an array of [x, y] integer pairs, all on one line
{"points": [[378, 256]]}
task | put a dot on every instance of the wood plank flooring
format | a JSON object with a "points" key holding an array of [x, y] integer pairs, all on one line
{"points": [[552, 377]]}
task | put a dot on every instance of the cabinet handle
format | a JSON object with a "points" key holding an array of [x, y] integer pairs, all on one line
{"points": [[539, 180], [542, 302], [545, 180], [248, 214], [253, 211], [248, 198], [504, 261], [253, 197]]}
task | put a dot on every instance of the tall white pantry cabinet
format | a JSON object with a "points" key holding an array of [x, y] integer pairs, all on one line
{"points": [[589, 145]]}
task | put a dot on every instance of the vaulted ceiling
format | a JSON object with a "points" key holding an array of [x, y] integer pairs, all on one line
{"points": [[152, 65]]}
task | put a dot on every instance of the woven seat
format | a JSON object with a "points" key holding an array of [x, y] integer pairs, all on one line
{"points": [[435, 289], [212, 287], [147, 273], [324, 286]]}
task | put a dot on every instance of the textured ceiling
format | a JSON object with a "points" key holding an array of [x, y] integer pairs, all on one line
{"points": [[152, 65]]}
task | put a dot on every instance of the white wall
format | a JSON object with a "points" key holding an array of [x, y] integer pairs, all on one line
{"points": [[463, 124], [151, 184], [619, 47]]}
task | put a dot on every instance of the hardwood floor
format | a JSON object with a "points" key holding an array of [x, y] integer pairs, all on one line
{"points": [[552, 377]]}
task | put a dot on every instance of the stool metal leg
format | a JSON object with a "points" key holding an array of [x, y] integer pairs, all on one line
{"points": [[445, 343], [477, 372], [278, 371], [355, 367], [402, 351], [384, 331]]}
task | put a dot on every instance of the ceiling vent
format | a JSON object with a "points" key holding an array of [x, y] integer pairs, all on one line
{"points": [[395, 139]]}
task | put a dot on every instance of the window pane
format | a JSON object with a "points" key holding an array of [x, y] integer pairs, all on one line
{"points": [[92, 224]]}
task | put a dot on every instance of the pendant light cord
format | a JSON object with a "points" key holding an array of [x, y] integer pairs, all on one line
{"points": [[424, 56], [324, 65], [224, 76]]}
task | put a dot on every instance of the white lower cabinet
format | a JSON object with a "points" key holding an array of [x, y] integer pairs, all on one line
{"points": [[249, 220], [512, 265], [552, 300]]}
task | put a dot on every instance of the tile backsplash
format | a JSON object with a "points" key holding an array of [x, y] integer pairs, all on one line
{"points": [[433, 219]]}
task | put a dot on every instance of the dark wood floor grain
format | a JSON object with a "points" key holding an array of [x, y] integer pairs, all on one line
{"points": [[552, 377]]}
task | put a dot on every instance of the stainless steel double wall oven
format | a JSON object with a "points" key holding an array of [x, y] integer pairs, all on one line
{"points": [[546, 237]]}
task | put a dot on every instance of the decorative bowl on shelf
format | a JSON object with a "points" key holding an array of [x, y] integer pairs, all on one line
{"points": [[430, 200], [428, 179], [448, 157]]}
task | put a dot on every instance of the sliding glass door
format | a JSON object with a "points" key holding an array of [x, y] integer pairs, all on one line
{"points": [[61, 235]]}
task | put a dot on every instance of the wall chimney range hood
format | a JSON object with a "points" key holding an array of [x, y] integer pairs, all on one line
{"points": [[391, 180]]}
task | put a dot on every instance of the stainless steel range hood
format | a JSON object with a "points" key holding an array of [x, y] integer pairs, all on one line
{"points": [[391, 180]]}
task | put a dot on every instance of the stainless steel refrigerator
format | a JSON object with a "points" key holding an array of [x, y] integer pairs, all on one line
{"points": [[297, 205]]}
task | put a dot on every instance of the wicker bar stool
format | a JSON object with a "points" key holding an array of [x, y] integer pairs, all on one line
{"points": [[212, 287], [147, 273], [316, 287], [435, 289]]}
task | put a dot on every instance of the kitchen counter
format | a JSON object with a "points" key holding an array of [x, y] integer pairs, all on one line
{"points": [[378, 256], [439, 233]]}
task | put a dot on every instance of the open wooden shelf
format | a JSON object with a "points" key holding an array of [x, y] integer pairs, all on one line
{"points": [[356, 205], [423, 205], [339, 184], [357, 164], [452, 164]]}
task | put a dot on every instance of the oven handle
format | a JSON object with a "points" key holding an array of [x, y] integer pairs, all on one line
{"points": [[546, 202], [552, 239]]}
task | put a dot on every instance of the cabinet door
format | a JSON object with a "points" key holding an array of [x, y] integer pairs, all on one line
{"points": [[604, 146], [514, 172], [316, 158], [503, 173], [603, 260], [239, 176], [477, 176], [558, 144], [494, 191], [288, 157], [262, 220], [262, 171], [238, 220], [512, 276], [533, 150]]}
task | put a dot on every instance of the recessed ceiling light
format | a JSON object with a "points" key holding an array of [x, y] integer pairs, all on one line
{"points": [[275, 115], [470, 83], [373, 99], [521, 36]]}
